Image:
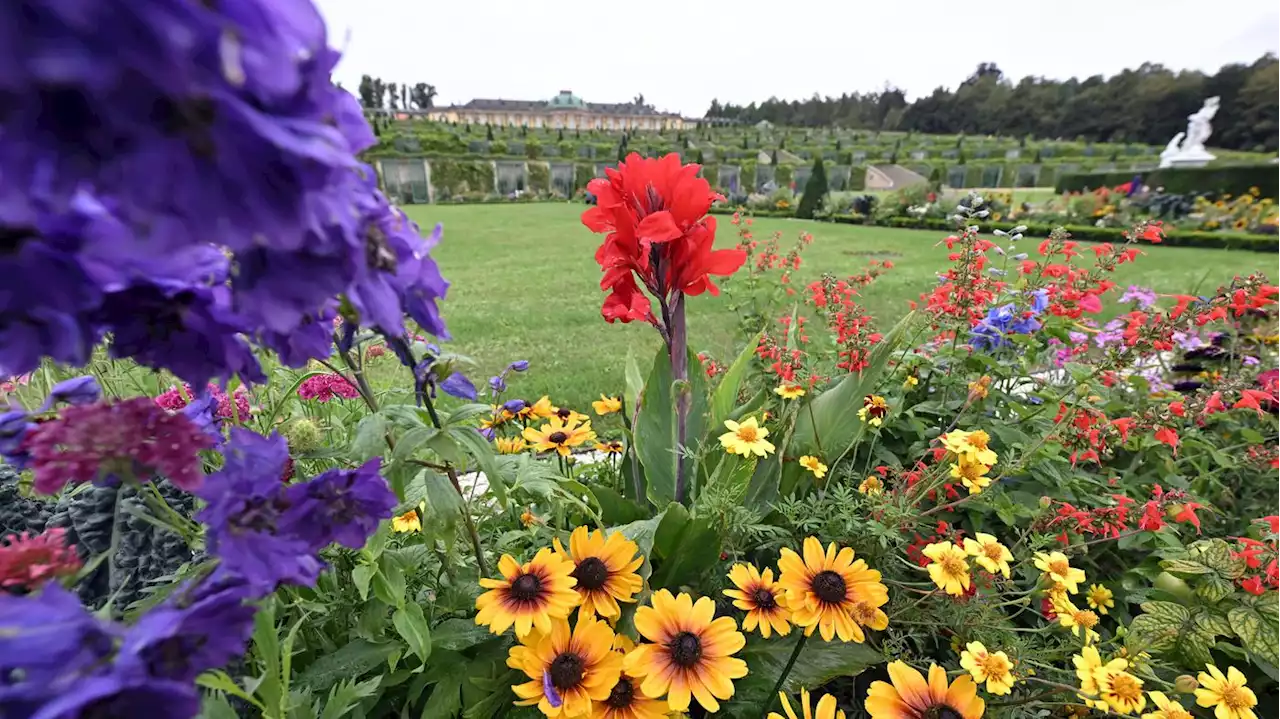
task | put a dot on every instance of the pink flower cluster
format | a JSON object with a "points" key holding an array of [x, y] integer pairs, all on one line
{"points": [[133, 437], [325, 387], [27, 561], [174, 399]]}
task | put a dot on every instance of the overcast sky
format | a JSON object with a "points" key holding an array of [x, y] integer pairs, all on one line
{"points": [[682, 53]]}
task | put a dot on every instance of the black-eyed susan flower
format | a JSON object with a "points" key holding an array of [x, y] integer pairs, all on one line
{"points": [[1087, 663], [528, 595], [1121, 690], [973, 475], [568, 670], [874, 409], [826, 708], [1166, 708], [949, 568], [568, 416], [558, 436], [907, 695], [1057, 569], [830, 592], [872, 486], [746, 438], [788, 390], [626, 701], [607, 405], [1099, 598], [989, 553], [611, 447], [1226, 693], [690, 654], [994, 668], [815, 465], [510, 445], [605, 570], [542, 409], [761, 598], [970, 445], [407, 522], [499, 417]]}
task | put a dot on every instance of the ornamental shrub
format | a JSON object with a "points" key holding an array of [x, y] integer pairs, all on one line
{"points": [[815, 189]]}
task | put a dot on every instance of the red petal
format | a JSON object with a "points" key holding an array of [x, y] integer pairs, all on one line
{"points": [[658, 227]]}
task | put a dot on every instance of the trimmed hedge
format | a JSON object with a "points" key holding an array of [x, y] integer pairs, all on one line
{"points": [[1233, 179]]}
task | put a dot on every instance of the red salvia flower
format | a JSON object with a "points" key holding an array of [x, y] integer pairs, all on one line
{"points": [[655, 214]]}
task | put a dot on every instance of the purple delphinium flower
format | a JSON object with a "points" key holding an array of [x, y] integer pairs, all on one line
{"points": [[519, 366], [45, 639], [515, 406], [199, 627], [245, 515], [14, 426], [497, 384], [75, 391], [457, 385], [342, 506]]}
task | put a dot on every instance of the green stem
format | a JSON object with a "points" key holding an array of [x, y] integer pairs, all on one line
{"points": [[777, 687]]}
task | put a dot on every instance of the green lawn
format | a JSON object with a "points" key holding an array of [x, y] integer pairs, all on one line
{"points": [[525, 285]]}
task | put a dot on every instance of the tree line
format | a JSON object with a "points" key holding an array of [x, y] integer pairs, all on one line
{"points": [[375, 94], [1149, 104]]}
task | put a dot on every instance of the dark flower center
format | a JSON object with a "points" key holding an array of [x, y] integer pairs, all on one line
{"points": [[686, 649], [526, 587], [558, 437], [564, 413], [377, 253], [171, 658], [829, 587], [763, 598], [623, 694], [591, 573], [566, 671], [941, 711]]}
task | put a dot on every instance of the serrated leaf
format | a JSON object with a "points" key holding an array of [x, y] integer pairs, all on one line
{"points": [[1216, 554], [370, 438], [1168, 612], [1194, 647], [1184, 566], [1152, 634], [412, 627], [457, 634], [361, 576], [1258, 630], [1213, 589], [1213, 624], [348, 662]]}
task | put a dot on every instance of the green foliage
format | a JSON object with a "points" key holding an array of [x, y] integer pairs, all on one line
{"points": [[815, 189], [1229, 179], [539, 174], [456, 177]]}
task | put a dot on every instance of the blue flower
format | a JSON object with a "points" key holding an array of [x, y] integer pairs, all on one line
{"points": [[74, 391], [519, 366], [14, 426], [457, 385], [342, 506], [47, 640], [498, 384], [200, 627]]}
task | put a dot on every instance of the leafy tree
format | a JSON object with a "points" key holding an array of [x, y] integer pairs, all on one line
{"points": [[697, 157], [422, 95], [814, 190], [366, 92], [404, 96], [488, 132], [395, 95]]}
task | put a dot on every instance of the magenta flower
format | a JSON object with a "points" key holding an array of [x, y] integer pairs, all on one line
{"points": [[324, 387], [132, 437], [174, 399], [28, 561]]}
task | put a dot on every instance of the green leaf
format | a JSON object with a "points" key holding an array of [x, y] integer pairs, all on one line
{"points": [[347, 695], [725, 397], [370, 438], [388, 582], [362, 575], [443, 502], [446, 698], [1213, 589], [412, 628], [219, 680], [634, 385], [1183, 566], [642, 533], [656, 439], [466, 412], [687, 548], [458, 634], [446, 448], [350, 661], [831, 428], [614, 508], [1168, 612], [1256, 625], [819, 662], [1194, 649], [1213, 625], [474, 444], [411, 441], [216, 706]]}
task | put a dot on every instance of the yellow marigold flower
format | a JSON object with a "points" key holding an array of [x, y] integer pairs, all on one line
{"points": [[1058, 569], [989, 553], [949, 568], [1226, 693], [1087, 664], [1121, 690], [994, 668], [510, 445], [789, 391], [746, 438], [528, 518], [558, 436], [911, 696], [1081, 622], [528, 595], [826, 708], [1099, 598], [605, 570], [979, 388], [872, 486], [607, 405], [910, 381], [407, 522], [691, 654], [971, 446], [815, 465], [973, 475], [831, 592], [613, 446], [874, 409], [568, 671], [1166, 708], [761, 598]]}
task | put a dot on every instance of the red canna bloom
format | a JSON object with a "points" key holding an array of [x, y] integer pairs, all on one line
{"points": [[655, 212]]}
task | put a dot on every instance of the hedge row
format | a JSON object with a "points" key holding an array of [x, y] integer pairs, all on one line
{"points": [[1232, 179], [1084, 233]]}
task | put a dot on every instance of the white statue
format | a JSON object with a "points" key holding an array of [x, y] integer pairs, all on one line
{"points": [[1186, 149]]}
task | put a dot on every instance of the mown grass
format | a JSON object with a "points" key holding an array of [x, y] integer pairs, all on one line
{"points": [[525, 285]]}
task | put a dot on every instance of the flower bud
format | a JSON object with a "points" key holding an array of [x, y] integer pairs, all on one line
{"points": [[1046, 502], [1185, 684], [519, 366], [303, 436], [1083, 390]]}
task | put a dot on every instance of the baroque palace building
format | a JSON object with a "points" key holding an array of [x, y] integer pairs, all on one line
{"points": [[565, 111]]}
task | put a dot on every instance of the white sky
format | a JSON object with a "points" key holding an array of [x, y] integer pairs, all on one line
{"points": [[682, 53]]}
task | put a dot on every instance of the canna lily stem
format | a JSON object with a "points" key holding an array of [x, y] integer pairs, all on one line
{"points": [[678, 349]]}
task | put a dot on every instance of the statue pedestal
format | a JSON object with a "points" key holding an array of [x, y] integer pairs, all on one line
{"points": [[1188, 158]]}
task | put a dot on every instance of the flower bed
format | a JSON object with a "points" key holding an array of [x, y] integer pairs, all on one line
{"points": [[995, 506]]}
